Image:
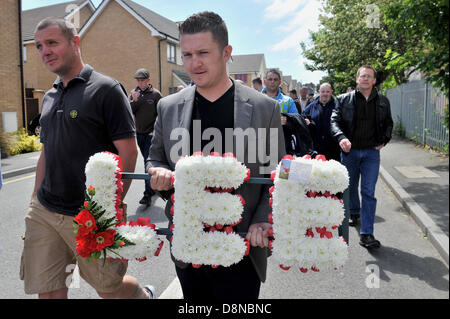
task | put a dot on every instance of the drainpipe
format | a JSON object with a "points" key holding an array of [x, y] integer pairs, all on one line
{"points": [[21, 63], [160, 63]]}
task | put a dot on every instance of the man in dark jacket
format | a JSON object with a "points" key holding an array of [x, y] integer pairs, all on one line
{"points": [[143, 101], [319, 111], [362, 124]]}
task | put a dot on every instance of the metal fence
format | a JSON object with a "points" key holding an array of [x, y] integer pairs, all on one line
{"points": [[418, 109]]}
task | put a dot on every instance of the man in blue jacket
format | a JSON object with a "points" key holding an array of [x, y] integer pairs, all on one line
{"points": [[319, 111], [272, 89]]}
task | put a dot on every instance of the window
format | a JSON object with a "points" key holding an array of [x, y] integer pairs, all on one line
{"points": [[242, 77], [24, 53], [171, 52]]}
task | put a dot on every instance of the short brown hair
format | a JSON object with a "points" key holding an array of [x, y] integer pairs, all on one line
{"points": [[273, 71], [206, 22], [367, 67], [67, 29]]}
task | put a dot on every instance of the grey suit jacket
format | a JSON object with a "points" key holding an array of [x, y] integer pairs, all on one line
{"points": [[252, 110]]}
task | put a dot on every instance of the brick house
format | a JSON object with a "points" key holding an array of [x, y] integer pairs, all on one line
{"points": [[247, 67], [11, 90], [117, 38]]}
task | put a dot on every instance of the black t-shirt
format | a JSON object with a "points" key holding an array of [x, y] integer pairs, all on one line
{"points": [[365, 128], [218, 116], [77, 121]]}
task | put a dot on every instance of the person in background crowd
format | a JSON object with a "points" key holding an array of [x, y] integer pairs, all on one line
{"points": [[273, 90], [304, 99], [319, 111], [143, 101], [362, 124], [293, 95], [257, 84]]}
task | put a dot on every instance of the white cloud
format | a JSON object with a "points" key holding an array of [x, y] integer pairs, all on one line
{"points": [[297, 29], [280, 8]]}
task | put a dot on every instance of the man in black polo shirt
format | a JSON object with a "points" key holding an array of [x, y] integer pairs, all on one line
{"points": [[362, 124], [85, 112], [143, 100]]}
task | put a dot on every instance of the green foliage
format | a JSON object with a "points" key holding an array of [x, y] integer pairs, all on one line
{"points": [[397, 37], [21, 142]]}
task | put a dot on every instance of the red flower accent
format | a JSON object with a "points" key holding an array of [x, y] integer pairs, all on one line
{"points": [[309, 233], [215, 154], [306, 156], [271, 190], [172, 210], [270, 202], [161, 243], [242, 199], [321, 158], [247, 178], [272, 175], [303, 270], [104, 239], [196, 266], [86, 245], [229, 155], [288, 157], [86, 222], [247, 244], [228, 230], [285, 267], [271, 218], [197, 154]]}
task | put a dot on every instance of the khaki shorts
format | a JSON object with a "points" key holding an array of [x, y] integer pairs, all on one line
{"points": [[48, 257]]}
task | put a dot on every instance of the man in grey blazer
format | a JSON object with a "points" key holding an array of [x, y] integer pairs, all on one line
{"points": [[218, 102]]}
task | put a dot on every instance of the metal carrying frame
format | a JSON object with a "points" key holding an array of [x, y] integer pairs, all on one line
{"points": [[342, 230]]}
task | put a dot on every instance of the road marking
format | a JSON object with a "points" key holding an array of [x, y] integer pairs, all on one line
{"points": [[19, 179], [173, 291]]}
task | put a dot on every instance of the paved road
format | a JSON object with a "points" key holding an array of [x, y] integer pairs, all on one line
{"points": [[408, 265]]}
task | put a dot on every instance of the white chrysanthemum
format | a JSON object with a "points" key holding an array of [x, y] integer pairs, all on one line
{"points": [[145, 239], [194, 206], [294, 213]]}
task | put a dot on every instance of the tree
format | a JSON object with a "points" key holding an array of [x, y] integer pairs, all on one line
{"points": [[397, 37]]}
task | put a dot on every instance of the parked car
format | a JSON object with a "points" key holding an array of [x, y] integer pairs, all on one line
{"points": [[34, 127]]}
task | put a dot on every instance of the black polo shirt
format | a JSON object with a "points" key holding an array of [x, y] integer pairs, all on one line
{"points": [[77, 121]]}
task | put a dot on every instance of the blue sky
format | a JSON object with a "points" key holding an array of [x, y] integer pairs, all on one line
{"points": [[272, 27]]}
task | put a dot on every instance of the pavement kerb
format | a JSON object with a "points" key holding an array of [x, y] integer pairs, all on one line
{"points": [[17, 172], [436, 236]]}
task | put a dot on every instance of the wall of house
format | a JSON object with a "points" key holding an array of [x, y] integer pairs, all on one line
{"points": [[117, 44], [10, 88], [167, 67]]}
